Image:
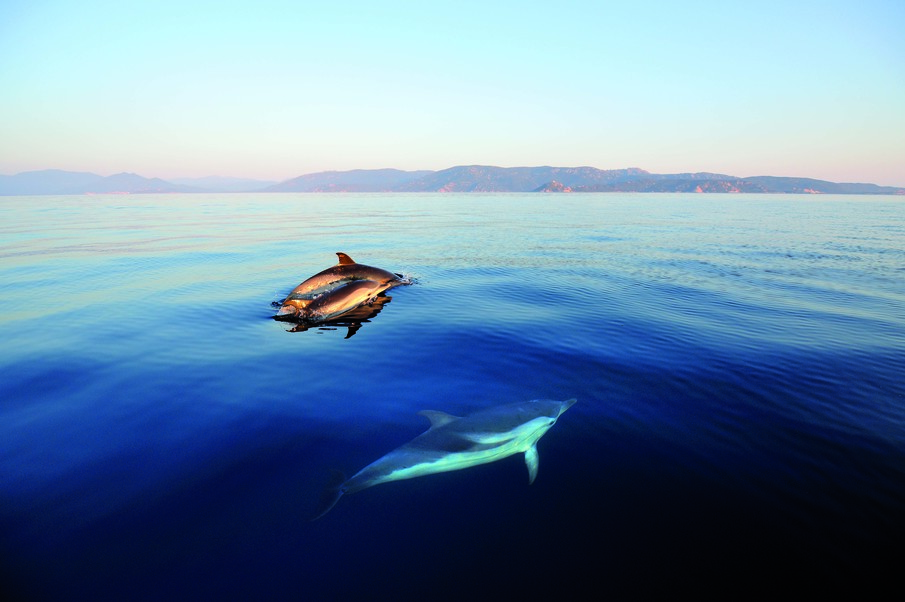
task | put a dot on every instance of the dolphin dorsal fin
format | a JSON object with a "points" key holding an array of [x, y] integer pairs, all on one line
{"points": [[344, 259], [437, 417]]}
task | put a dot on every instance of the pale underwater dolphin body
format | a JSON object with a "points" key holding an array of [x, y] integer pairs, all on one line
{"points": [[453, 443], [328, 280]]}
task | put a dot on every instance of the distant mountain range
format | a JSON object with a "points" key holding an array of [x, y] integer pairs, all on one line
{"points": [[466, 178], [55, 181]]}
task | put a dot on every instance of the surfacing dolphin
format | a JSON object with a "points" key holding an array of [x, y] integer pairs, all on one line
{"points": [[453, 443], [329, 280], [341, 300]]}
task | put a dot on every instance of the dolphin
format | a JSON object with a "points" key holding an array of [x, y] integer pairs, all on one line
{"points": [[341, 300], [327, 280], [454, 443], [353, 319]]}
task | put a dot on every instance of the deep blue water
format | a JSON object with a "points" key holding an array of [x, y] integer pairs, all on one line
{"points": [[738, 363]]}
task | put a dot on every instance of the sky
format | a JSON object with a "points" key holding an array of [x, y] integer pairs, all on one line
{"points": [[273, 89]]}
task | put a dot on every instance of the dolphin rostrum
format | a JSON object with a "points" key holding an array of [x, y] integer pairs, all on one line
{"points": [[326, 281], [453, 443]]}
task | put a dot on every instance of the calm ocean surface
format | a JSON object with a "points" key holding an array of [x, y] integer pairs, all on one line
{"points": [[739, 364]]}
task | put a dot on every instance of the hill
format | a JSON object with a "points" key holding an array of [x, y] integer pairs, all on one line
{"points": [[357, 180], [716, 183], [128, 183], [55, 181], [46, 181], [484, 178]]}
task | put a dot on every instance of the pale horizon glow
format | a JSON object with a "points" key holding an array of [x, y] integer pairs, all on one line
{"points": [[276, 89]]}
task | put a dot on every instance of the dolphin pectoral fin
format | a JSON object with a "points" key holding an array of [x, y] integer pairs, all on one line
{"points": [[531, 460], [344, 259], [331, 494]]}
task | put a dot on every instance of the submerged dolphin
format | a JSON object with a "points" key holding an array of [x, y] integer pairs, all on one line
{"points": [[328, 280], [453, 443]]}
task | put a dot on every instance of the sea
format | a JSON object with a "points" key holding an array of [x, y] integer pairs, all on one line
{"points": [[738, 361]]}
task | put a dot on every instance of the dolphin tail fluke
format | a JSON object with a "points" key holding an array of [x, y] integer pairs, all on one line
{"points": [[331, 494], [531, 461]]}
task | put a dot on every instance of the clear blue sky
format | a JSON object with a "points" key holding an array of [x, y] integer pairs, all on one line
{"points": [[275, 89]]}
